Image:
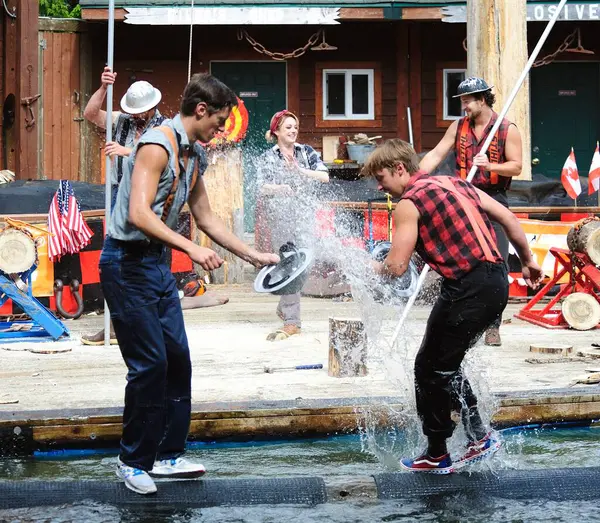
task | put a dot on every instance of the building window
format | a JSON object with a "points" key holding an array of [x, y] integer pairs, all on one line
{"points": [[448, 108], [348, 95]]}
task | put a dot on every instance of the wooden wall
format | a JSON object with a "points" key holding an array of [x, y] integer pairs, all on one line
{"points": [[60, 107], [409, 53], [440, 43], [162, 60]]}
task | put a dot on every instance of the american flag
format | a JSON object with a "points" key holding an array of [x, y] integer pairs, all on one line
{"points": [[69, 231]]}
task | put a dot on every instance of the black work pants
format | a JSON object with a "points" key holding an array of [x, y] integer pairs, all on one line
{"points": [[464, 310]]}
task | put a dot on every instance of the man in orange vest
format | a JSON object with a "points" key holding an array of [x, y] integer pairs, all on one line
{"points": [[503, 160]]}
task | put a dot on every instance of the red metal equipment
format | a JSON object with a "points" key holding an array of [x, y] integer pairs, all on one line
{"points": [[584, 276]]}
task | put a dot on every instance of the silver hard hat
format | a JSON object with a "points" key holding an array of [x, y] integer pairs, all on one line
{"points": [[140, 97], [472, 85]]}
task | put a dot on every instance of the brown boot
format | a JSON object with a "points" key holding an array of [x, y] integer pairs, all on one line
{"points": [[492, 337], [98, 338]]}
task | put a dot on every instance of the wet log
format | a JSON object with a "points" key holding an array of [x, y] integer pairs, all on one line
{"points": [[581, 311], [585, 237], [347, 348]]}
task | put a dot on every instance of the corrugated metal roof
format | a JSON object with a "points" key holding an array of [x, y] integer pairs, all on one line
{"points": [[278, 3]]}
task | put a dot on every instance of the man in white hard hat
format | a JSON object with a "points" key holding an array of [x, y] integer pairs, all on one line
{"points": [[139, 105]]}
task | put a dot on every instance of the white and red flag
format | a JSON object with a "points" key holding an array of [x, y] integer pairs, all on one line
{"points": [[594, 177], [570, 176]]}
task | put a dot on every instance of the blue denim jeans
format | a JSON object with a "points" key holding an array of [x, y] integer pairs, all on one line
{"points": [[146, 313]]}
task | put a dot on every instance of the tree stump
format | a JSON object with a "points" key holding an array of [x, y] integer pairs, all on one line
{"points": [[347, 348]]}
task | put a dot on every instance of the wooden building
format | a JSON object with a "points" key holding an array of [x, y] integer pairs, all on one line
{"points": [[388, 58]]}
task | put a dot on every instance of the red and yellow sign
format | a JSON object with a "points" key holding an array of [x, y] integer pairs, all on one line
{"points": [[235, 127]]}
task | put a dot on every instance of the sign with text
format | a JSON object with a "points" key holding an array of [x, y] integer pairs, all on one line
{"points": [[232, 15], [535, 13]]}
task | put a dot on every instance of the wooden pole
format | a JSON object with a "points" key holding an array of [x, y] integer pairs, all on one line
{"points": [[224, 179], [497, 52], [27, 95]]}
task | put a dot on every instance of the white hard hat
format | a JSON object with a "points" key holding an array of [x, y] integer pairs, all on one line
{"points": [[140, 97]]}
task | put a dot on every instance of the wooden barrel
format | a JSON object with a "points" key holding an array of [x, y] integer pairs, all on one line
{"points": [[581, 311], [585, 237]]}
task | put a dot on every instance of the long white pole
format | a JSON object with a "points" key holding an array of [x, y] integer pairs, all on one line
{"points": [[109, 137], [410, 127], [484, 149]]}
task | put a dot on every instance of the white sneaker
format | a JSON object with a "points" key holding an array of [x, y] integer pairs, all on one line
{"points": [[177, 468], [137, 480]]}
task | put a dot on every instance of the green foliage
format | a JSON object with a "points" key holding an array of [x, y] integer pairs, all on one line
{"points": [[59, 9]]}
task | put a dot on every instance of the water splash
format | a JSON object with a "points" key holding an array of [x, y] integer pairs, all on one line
{"points": [[343, 250]]}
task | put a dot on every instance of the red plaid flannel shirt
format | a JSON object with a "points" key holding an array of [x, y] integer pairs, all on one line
{"points": [[447, 241], [467, 146]]}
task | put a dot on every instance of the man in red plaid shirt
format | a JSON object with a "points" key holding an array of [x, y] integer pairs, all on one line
{"points": [[448, 222]]}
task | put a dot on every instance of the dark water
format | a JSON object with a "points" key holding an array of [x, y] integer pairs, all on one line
{"points": [[344, 456]]}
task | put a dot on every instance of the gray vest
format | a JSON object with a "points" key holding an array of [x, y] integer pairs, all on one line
{"points": [[120, 227]]}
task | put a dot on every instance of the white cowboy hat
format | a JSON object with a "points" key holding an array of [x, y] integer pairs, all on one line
{"points": [[140, 97]]}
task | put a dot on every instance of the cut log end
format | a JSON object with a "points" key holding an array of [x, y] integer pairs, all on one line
{"points": [[563, 350], [347, 348], [581, 311]]}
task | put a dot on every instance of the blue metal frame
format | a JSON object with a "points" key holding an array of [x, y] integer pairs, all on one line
{"points": [[45, 324]]}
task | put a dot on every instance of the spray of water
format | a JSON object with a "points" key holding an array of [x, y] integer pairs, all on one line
{"points": [[379, 307]]}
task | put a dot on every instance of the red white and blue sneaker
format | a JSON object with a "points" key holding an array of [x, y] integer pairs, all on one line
{"points": [[425, 463], [479, 450]]}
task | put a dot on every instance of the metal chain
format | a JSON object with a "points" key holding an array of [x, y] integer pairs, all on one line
{"points": [[258, 47], [549, 58], [561, 49]]}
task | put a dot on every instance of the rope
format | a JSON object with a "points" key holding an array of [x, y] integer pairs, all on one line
{"points": [[191, 35]]}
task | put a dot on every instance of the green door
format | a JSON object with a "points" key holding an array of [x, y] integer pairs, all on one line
{"points": [[262, 86], [564, 113]]}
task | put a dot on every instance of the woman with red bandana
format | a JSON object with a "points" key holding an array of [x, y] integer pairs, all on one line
{"points": [[285, 172]]}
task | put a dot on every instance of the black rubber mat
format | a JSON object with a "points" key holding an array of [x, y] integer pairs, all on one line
{"points": [[551, 484], [191, 494]]}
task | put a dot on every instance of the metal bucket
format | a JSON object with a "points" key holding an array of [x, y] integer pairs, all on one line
{"points": [[360, 152]]}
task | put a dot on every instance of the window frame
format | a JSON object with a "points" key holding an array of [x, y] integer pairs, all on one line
{"points": [[441, 114], [372, 69]]}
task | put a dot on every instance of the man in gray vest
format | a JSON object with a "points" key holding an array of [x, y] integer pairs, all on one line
{"points": [[140, 113], [139, 105], [163, 172]]}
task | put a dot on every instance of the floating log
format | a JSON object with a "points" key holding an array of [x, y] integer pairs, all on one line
{"points": [[347, 348], [581, 311], [563, 350], [585, 237]]}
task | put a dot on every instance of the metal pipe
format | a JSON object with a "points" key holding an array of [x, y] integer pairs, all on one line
{"points": [[484, 149], [109, 137], [410, 127]]}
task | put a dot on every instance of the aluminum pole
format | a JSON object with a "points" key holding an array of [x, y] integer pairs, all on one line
{"points": [[109, 137]]}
